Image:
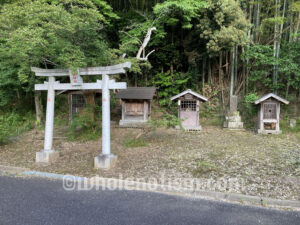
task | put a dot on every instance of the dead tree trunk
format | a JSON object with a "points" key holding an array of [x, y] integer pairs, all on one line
{"points": [[144, 44]]}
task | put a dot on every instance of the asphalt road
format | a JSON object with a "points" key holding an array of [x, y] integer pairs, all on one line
{"points": [[39, 202]]}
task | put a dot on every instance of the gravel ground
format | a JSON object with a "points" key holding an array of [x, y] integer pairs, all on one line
{"points": [[216, 159]]}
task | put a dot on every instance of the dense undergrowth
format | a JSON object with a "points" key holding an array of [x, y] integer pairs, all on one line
{"points": [[13, 124]]}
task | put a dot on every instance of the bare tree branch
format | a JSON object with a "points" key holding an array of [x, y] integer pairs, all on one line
{"points": [[145, 43], [146, 58]]}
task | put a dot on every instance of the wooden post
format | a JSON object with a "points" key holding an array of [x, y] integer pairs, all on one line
{"points": [[197, 112], [149, 106], [261, 120], [123, 109], [278, 116], [145, 111], [179, 109]]}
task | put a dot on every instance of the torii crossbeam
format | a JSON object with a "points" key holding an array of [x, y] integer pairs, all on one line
{"points": [[48, 154]]}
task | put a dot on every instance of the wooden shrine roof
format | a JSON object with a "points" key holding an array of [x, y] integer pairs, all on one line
{"points": [[189, 91], [146, 93], [271, 95]]}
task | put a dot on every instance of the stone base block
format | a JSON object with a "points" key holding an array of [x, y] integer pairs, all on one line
{"points": [[46, 156], [190, 128], [293, 123], [233, 121], [233, 125], [269, 131], [234, 118], [131, 122], [105, 161]]}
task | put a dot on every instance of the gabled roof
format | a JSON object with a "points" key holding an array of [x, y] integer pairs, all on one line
{"points": [[146, 93], [271, 95], [189, 91]]}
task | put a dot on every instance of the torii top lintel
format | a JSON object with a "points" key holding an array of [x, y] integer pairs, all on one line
{"points": [[115, 69]]}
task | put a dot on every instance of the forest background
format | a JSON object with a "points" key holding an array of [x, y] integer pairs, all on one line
{"points": [[218, 48]]}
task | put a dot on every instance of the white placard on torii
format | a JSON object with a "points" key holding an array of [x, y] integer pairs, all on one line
{"points": [[76, 83]]}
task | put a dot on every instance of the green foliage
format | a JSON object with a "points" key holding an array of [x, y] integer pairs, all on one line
{"points": [[169, 84], [263, 61], [285, 125], [131, 38], [61, 110], [289, 64], [167, 120], [212, 120], [83, 128], [250, 98], [249, 109], [212, 107], [55, 34], [209, 110], [13, 124], [172, 12], [134, 143], [262, 66], [222, 26], [78, 33]]}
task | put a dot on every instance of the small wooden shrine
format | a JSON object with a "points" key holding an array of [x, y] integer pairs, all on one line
{"points": [[188, 109], [136, 104], [269, 114]]}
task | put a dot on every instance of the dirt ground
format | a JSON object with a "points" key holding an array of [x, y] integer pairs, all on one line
{"points": [[260, 165]]}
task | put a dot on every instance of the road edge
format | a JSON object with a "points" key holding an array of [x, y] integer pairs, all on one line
{"points": [[158, 188]]}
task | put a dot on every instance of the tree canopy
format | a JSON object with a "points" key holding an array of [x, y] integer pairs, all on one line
{"points": [[225, 46]]}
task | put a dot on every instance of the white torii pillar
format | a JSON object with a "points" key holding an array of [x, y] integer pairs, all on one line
{"points": [[105, 116], [48, 154], [106, 159]]}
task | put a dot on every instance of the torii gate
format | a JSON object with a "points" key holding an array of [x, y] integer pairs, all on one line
{"points": [[48, 154]]}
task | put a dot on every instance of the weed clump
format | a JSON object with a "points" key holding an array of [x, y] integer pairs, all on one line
{"points": [[134, 143]]}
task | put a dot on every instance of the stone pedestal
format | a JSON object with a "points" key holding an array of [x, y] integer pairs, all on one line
{"points": [[105, 161], [233, 103], [190, 128], [132, 122], [293, 123], [46, 156], [259, 131], [233, 121]]}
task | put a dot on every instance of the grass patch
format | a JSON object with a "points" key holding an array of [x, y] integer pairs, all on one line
{"points": [[285, 126], [216, 155], [204, 168], [134, 143], [216, 121], [61, 121], [85, 135], [84, 128]]}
